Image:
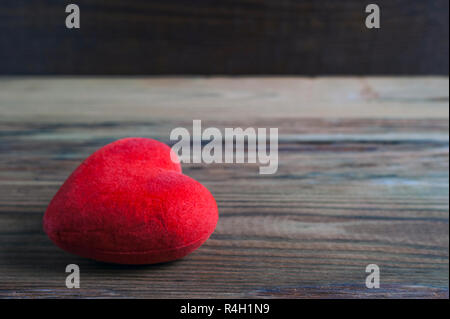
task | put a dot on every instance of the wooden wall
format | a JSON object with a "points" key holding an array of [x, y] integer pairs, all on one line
{"points": [[306, 37]]}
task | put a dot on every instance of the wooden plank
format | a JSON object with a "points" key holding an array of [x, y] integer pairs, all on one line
{"points": [[355, 185], [298, 37], [163, 100]]}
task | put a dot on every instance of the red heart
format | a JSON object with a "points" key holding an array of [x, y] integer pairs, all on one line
{"points": [[128, 203]]}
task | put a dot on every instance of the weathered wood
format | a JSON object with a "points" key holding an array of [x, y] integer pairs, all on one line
{"points": [[363, 178]]}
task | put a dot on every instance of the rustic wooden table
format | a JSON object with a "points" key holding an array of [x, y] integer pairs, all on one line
{"points": [[363, 178]]}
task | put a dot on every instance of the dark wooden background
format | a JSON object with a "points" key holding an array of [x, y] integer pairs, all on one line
{"points": [[306, 37]]}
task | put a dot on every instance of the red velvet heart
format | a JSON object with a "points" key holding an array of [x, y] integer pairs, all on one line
{"points": [[128, 203]]}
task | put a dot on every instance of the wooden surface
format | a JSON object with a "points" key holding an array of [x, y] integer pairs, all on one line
{"points": [[363, 178], [306, 37]]}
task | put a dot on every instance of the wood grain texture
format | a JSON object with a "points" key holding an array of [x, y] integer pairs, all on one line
{"points": [[303, 37], [363, 178]]}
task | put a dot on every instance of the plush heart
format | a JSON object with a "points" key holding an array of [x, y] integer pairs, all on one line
{"points": [[129, 203]]}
